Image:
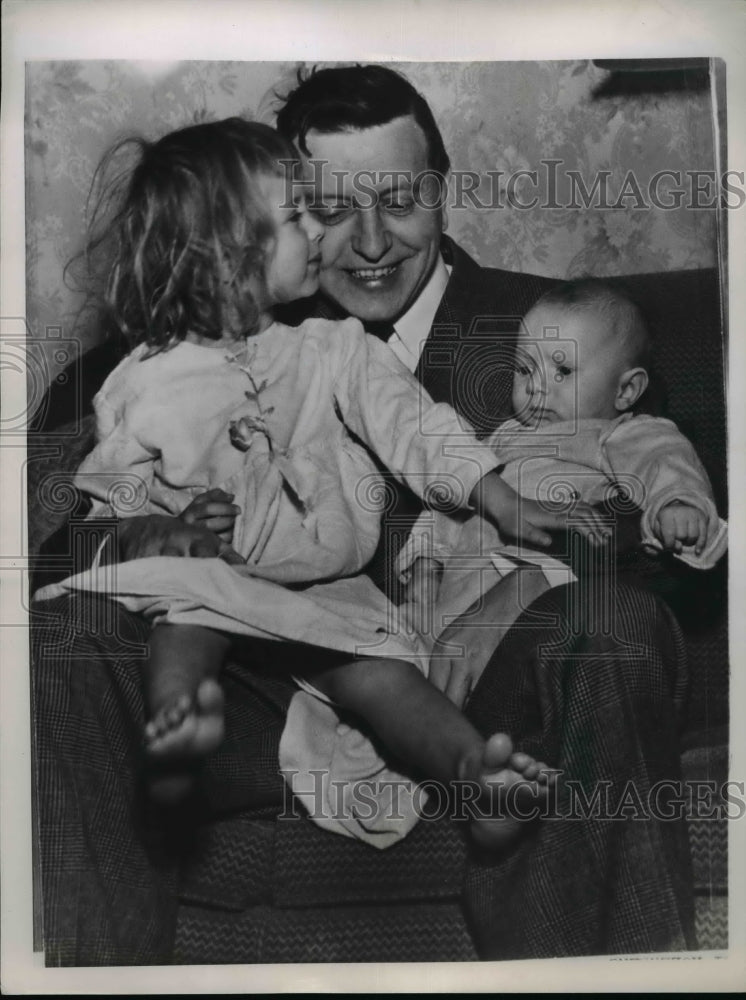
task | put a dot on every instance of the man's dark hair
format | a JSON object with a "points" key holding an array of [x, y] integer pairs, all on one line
{"points": [[346, 98]]}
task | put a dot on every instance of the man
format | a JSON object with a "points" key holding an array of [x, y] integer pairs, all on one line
{"points": [[386, 261], [596, 702]]}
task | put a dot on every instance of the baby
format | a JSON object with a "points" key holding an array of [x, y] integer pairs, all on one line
{"points": [[582, 364]]}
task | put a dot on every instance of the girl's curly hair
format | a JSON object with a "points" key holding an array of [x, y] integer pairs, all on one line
{"points": [[176, 241]]}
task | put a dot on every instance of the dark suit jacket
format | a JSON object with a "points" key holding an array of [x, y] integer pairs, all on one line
{"points": [[467, 361], [468, 357]]}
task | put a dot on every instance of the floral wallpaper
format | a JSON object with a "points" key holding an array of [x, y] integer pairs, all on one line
{"points": [[497, 119]]}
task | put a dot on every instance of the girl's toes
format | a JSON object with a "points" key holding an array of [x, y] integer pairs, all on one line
{"points": [[209, 697], [175, 713], [497, 751], [520, 761], [157, 726], [531, 771]]}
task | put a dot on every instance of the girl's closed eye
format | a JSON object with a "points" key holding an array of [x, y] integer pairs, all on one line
{"points": [[298, 208], [330, 215]]}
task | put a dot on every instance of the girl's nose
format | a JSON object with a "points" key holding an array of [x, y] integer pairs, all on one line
{"points": [[313, 227]]}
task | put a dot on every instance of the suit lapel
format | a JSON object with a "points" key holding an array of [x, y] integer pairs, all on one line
{"points": [[436, 365], [469, 355]]}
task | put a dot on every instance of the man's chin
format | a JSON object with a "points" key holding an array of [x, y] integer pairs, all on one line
{"points": [[374, 301]]}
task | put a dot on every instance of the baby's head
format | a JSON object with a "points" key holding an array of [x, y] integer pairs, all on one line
{"points": [[583, 352], [195, 219]]}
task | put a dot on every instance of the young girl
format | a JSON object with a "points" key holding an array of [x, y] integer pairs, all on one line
{"points": [[218, 402]]}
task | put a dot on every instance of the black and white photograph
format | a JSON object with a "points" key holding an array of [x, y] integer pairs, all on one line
{"points": [[370, 401]]}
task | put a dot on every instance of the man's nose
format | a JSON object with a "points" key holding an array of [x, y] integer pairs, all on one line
{"points": [[371, 238]]}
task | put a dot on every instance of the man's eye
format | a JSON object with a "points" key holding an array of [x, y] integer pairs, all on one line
{"points": [[398, 206]]}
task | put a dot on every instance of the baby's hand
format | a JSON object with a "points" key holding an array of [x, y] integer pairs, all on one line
{"points": [[527, 521], [213, 510], [678, 525]]}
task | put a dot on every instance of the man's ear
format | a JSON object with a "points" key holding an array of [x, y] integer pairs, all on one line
{"points": [[632, 384]]}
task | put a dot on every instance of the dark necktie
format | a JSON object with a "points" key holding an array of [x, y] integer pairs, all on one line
{"points": [[381, 330]]}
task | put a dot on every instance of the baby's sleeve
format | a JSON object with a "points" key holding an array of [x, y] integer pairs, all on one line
{"points": [[659, 466]]}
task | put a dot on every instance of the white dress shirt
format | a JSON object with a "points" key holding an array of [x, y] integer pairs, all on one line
{"points": [[412, 328]]}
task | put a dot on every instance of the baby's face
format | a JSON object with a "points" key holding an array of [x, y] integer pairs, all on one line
{"points": [[568, 367]]}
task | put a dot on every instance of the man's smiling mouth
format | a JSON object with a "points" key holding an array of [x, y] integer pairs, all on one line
{"points": [[372, 273]]}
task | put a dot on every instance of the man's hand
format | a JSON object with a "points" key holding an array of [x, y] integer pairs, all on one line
{"points": [[213, 510], [678, 525], [526, 521], [455, 676], [467, 645], [160, 535]]}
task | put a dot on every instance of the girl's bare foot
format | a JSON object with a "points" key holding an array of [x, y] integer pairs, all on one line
{"points": [[515, 787], [183, 731]]}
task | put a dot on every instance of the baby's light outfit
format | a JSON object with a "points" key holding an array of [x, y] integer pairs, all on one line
{"points": [[591, 460]]}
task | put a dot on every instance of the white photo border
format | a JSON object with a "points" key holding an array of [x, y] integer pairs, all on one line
{"points": [[340, 30]]}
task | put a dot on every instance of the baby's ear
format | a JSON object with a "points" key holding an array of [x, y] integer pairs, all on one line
{"points": [[632, 384]]}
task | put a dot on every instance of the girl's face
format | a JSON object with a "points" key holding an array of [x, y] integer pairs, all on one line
{"points": [[293, 255]]}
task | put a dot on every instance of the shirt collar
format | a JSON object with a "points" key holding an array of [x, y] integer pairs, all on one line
{"points": [[411, 330]]}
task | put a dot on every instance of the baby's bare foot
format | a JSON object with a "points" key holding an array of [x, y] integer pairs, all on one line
{"points": [[181, 733], [515, 786]]}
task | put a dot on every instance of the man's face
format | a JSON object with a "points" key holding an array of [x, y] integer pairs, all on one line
{"points": [[381, 243]]}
